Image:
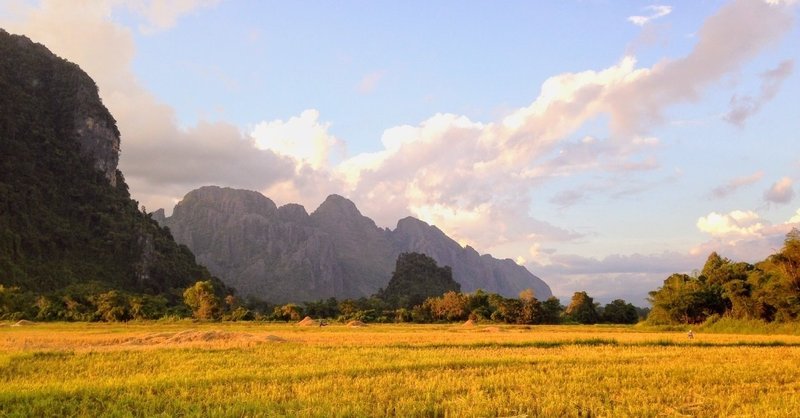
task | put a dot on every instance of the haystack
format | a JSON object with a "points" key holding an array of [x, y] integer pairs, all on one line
{"points": [[469, 324], [275, 339], [307, 322], [23, 322], [355, 324]]}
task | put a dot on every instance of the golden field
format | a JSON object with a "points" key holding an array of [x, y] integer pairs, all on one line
{"points": [[255, 369]]}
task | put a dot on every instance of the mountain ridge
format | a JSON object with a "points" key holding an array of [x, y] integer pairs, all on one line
{"points": [[290, 255]]}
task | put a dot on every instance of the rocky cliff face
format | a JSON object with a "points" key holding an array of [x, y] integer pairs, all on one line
{"points": [[283, 254], [80, 114], [66, 217]]}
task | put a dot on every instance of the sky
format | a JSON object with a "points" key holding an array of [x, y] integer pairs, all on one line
{"points": [[602, 144]]}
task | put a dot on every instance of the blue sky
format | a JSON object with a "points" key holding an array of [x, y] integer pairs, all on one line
{"points": [[602, 144]]}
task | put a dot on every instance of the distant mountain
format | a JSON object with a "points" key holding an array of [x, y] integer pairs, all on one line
{"points": [[285, 254], [66, 218]]}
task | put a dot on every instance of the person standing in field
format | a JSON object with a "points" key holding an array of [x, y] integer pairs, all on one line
{"points": [[690, 334]]}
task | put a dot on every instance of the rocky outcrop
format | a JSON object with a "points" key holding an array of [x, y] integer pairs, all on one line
{"points": [[284, 254]]}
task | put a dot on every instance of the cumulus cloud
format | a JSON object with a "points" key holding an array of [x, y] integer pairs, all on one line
{"points": [[736, 34], [742, 107], [302, 137], [796, 218], [469, 177], [734, 224], [743, 235], [735, 184], [781, 192], [161, 162], [656, 11]]}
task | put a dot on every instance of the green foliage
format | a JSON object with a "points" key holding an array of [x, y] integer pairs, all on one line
{"points": [[327, 308], [288, 312], [768, 291], [417, 277], [112, 306], [62, 223], [551, 311], [619, 312], [452, 306], [203, 301], [582, 310]]}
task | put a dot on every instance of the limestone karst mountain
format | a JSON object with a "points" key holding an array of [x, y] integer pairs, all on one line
{"points": [[284, 254], [66, 218]]}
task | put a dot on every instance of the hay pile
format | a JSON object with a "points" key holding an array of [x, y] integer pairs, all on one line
{"points": [[469, 324], [189, 336], [356, 324], [275, 339], [23, 322], [307, 322]]}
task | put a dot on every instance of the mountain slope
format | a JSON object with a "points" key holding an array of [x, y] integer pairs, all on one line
{"points": [[285, 255], [66, 217]]}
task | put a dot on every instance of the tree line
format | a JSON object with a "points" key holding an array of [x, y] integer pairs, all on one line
{"points": [[768, 290], [418, 291]]}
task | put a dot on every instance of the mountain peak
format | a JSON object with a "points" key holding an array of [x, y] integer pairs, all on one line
{"points": [[226, 199], [336, 206]]}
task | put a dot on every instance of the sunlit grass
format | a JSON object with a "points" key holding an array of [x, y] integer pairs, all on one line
{"points": [[252, 369]]}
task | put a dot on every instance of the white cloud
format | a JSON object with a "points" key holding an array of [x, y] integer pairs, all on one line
{"points": [[302, 137], [736, 224], [468, 177], [796, 218], [782, 2], [781, 191], [735, 184], [656, 11]]}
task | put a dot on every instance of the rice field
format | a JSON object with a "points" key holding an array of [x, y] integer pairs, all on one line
{"points": [[256, 369]]}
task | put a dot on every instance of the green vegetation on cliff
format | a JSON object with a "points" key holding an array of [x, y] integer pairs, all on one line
{"points": [[69, 229]]}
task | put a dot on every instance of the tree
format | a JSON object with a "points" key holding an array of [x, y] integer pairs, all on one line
{"points": [[552, 310], [619, 312], [530, 311], [112, 306], [527, 295], [508, 311], [452, 306], [16, 304], [582, 310], [417, 277], [202, 300], [148, 307], [289, 312], [673, 302]]}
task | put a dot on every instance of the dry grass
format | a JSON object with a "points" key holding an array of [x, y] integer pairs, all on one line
{"points": [[250, 369]]}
